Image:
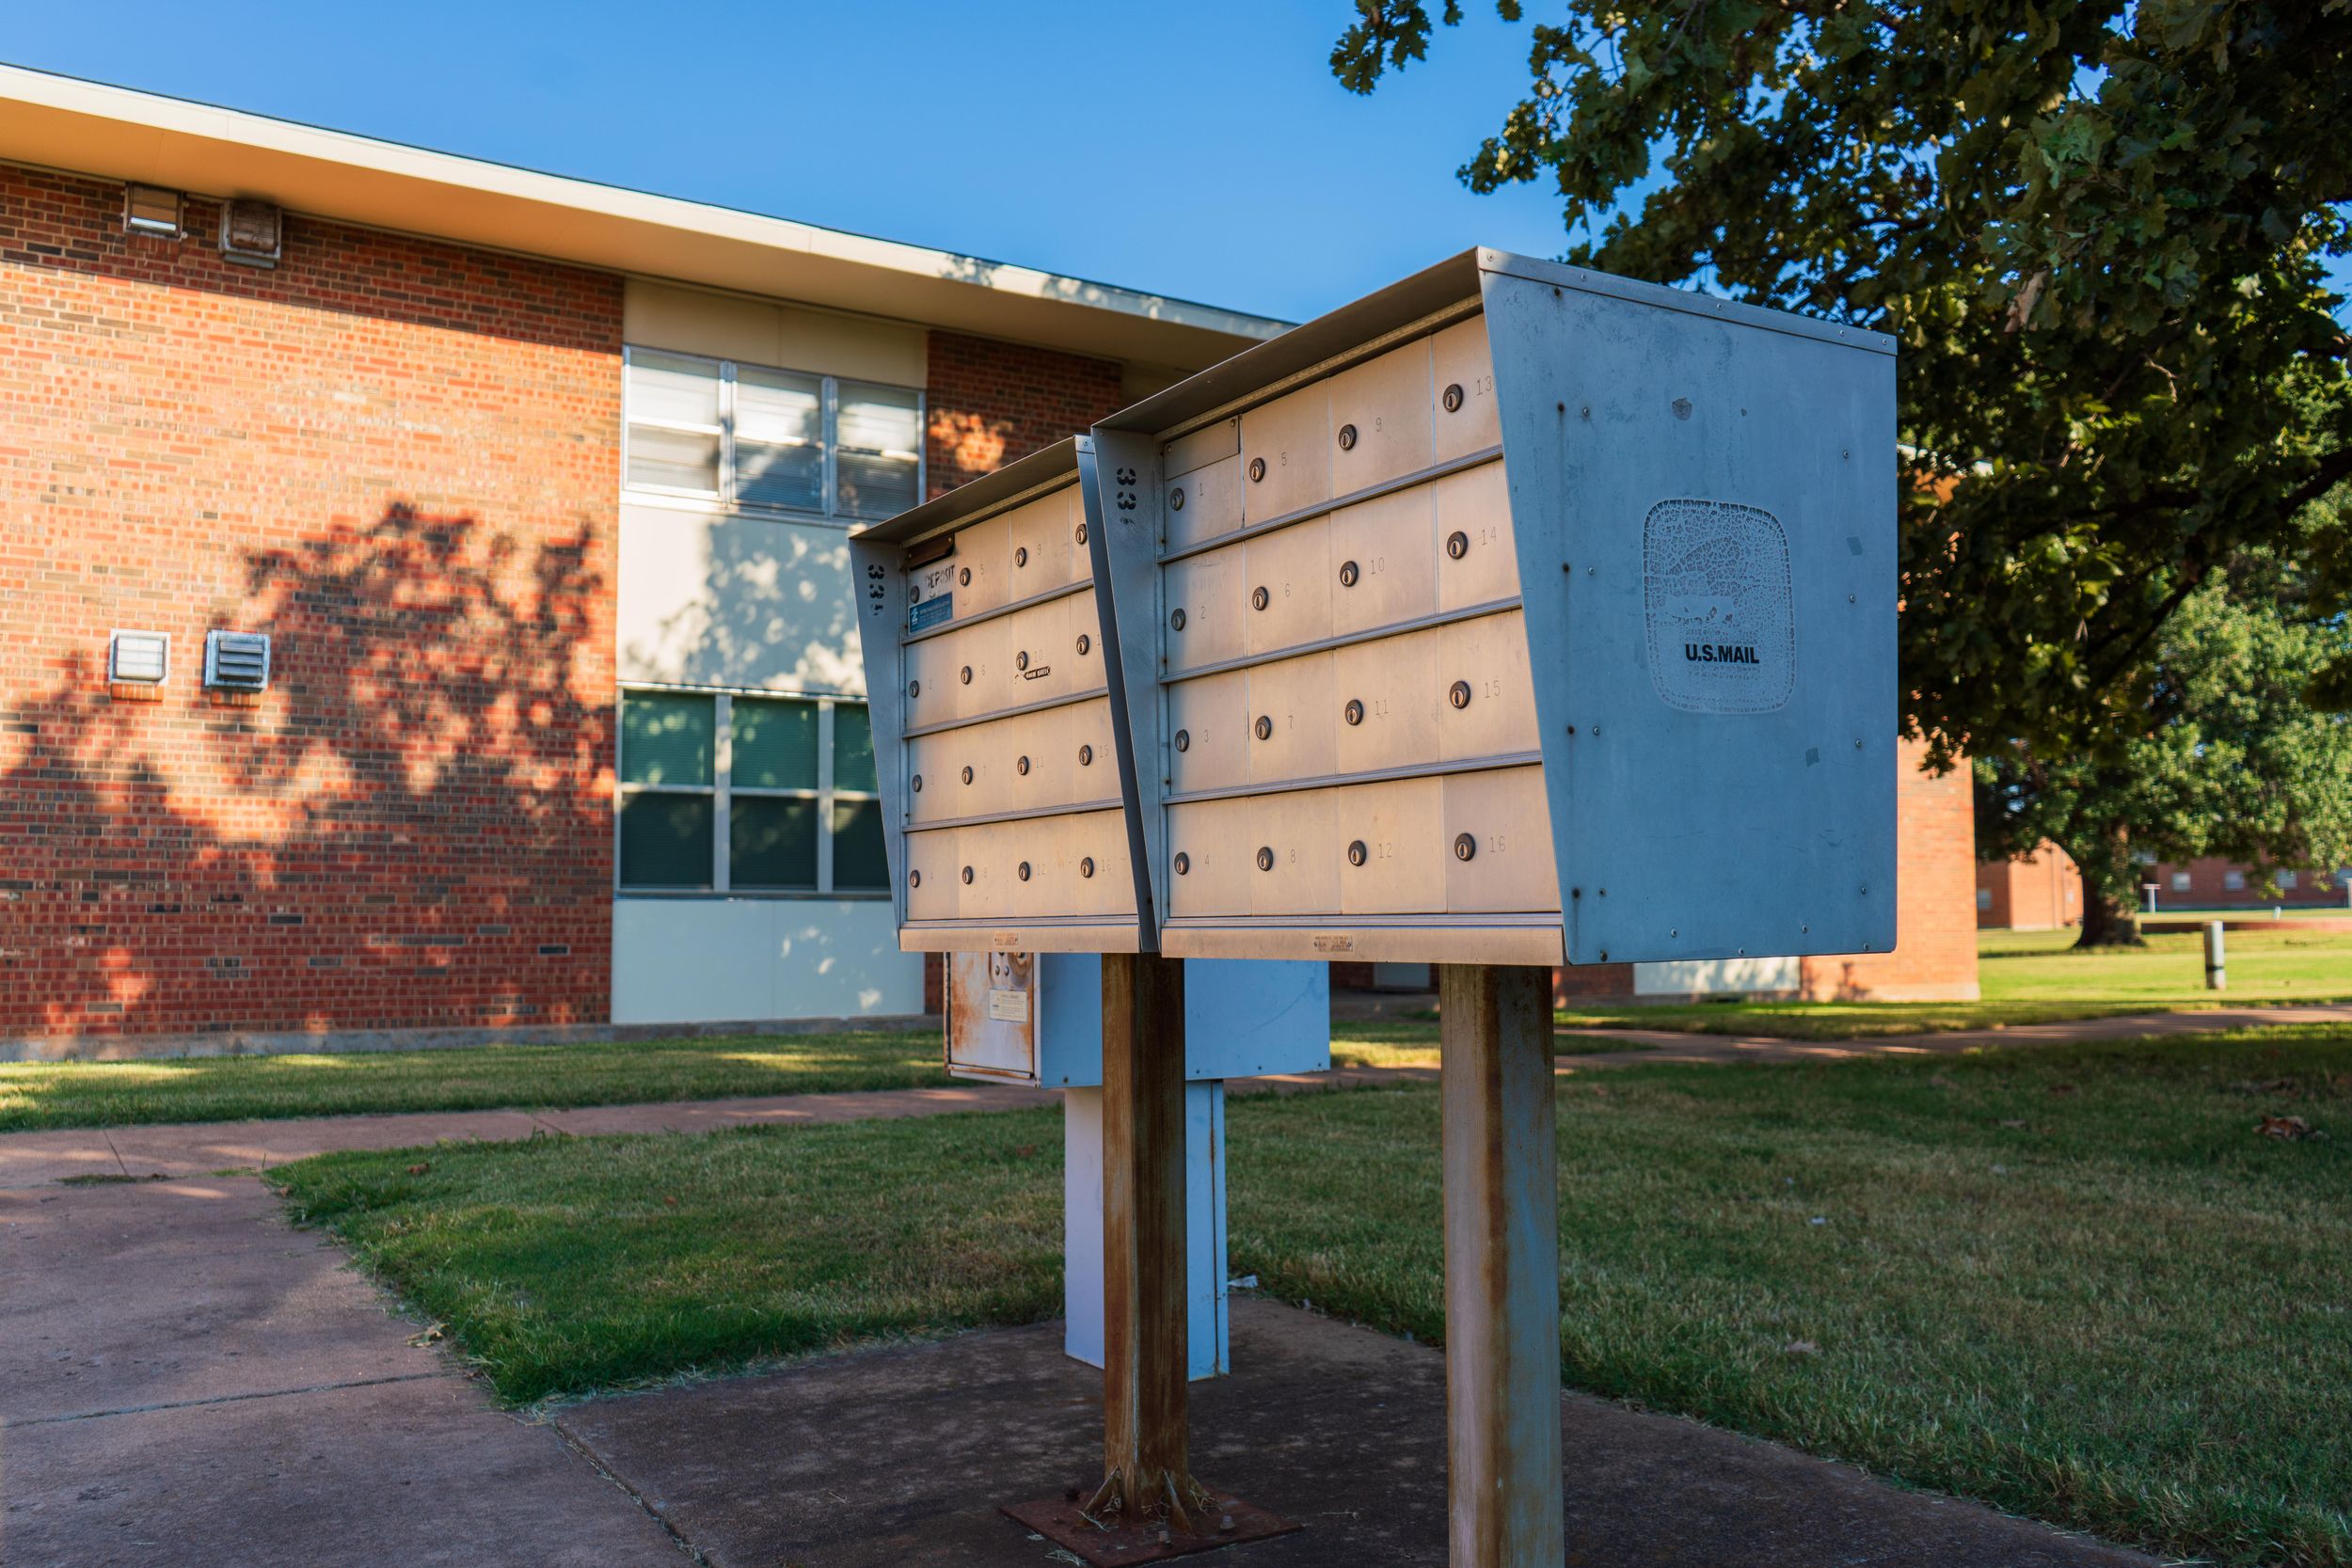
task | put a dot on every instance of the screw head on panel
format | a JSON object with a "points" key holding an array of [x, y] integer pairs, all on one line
{"points": [[1257, 469], [1453, 399], [1347, 437], [1349, 572], [1465, 846], [1183, 863], [1266, 858], [1457, 545]]}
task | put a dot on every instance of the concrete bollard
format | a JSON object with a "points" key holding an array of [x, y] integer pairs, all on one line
{"points": [[2217, 963]]}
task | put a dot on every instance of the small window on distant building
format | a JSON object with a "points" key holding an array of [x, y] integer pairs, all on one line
{"points": [[758, 439], [2180, 882], [2344, 878], [2233, 880], [2289, 881], [1984, 898]]}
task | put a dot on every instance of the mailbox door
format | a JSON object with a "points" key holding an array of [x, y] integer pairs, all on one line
{"points": [[1379, 413], [1286, 454], [1286, 587], [982, 567], [1210, 847], [1289, 727], [1388, 694], [1460, 359], [1045, 551], [1379, 555], [1477, 553], [1208, 731], [1487, 706], [1207, 606], [1391, 863], [1497, 842]]}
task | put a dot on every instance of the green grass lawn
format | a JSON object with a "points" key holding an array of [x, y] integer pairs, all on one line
{"points": [[233, 1088], [2072, 1281]]}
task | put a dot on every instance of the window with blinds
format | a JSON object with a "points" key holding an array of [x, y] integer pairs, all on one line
{"points": [[728, 792], [763, 440]]}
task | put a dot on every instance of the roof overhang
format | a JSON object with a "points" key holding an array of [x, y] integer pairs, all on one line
{"points": [[117, 133]]}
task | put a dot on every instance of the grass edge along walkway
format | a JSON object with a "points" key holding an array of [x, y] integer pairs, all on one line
{"points": [[2041, 1278]]}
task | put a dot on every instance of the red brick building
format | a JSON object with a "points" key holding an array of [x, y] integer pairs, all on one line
{"points": [[536, 490], [2039, 891]]}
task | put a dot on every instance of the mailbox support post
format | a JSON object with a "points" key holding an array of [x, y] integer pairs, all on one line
{"points": [[1501, 1267], [1147, 1471]]}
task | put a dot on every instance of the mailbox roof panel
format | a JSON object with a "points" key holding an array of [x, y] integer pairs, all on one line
{"points": [[1041, 470]]}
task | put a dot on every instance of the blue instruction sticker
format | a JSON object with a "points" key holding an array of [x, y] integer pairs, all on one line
{"points": [[930, 612]]}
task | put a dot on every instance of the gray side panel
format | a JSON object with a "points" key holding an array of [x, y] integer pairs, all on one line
{"points": [[881, 608], [1705, 524], [1123, 517]]}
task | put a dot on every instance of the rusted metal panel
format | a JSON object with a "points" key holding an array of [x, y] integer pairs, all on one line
{"points": [[991, 1016]]}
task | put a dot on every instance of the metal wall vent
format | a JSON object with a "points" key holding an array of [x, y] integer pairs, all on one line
{"points": [[252, 232], [138, 657], [236, 661], [151, 210]]}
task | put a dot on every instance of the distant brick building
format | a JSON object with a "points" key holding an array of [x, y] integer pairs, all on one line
{"points": [[2039, 891], [2212, 884], [537, 490]]}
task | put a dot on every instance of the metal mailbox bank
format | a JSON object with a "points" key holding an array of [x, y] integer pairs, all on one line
{"points": [[1510, 616]]}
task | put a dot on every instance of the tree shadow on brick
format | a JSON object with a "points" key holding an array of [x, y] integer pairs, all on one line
{"points": [[411, 826]]}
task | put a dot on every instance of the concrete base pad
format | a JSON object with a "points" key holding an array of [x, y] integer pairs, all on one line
{"points": [[902, 1456]]}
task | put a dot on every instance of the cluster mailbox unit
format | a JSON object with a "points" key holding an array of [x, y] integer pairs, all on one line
{"points": [[1510, 616]]}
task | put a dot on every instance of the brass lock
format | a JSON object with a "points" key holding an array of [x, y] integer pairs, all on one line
{"points": [[1086, 645], [1349, 574], [1021, 660], [1257, 469], [1353, 712], [1082, 533], [915, 688], [967, 772], [1465, 846], [1356, 853], [1264, 727], [1176, 619], [918, 784], [1086, 756], [967, 876], [1022, 767], [1085, 866], [1453, 397], [1266, 858], [1457, 545], [967, 675], [1176, 499], [1184, 740], [1183, 863], [1260, 598], [965, 576], [1021, 556], [914, 878], [1347, 437], [1023, 872], [1460, 694]]}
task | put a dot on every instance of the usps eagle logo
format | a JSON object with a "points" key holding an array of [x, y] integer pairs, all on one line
{"points": [[1718, 606]]}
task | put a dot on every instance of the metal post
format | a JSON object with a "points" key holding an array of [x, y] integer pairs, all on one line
{"points": [[1147, 1472], [2217, 962], [1501, 1267]]}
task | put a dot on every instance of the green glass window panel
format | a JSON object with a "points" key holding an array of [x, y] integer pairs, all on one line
{"points": [[859, 864], [776, 744], [852, 748], [665, 841], [771, 842], [666, 739]]}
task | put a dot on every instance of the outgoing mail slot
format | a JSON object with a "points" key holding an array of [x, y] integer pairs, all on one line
{"points": [[1488, 701], [1045, 549], [1380, 418], [1286, 454], [1498, 843], [1290, 720], [1292, 869], [1478, 560], [1287, 587], [1208, 858], [983, 561], [1206, 609], [933, 887], [1385, 697], [1379, 555], [1208, 730], [1391, 860], [1469, 420]]}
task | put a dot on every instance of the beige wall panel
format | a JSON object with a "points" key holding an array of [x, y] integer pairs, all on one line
{"points": [[709, 601], [760, 332]]}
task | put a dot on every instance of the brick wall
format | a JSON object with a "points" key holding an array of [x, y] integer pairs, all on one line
{"points": [[2038, 892], [991, 403], [399, 459], [1935, 915]]}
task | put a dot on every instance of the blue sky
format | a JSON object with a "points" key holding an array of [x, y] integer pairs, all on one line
{"points": [[1199, 149]]}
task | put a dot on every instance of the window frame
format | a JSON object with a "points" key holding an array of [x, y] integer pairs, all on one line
{"points": [[723, 789], [724, 497]]}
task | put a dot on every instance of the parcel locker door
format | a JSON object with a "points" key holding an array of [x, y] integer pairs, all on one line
{"points": [[1291, 719], [1209, 855], [1389, 860], [932, 888], [1486, 703], [1208, 729], [1206, 606], [1477, 558], [1380, 554], [1498, 843], [1380, 418], [1386, 695], [1463, 373], [1286, 587], [1293, 866], [1286, 454]]}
